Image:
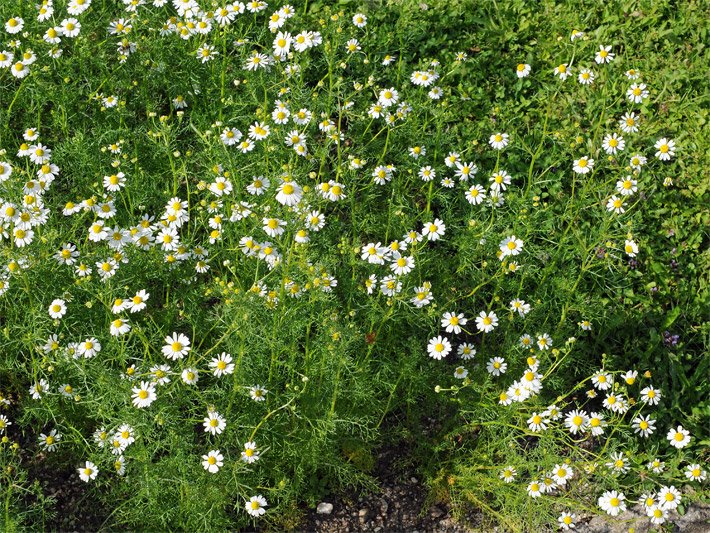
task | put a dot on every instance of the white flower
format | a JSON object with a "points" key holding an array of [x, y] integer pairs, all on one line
{"points": [[250, 453], [212, 462], [438, 347], [678, 437], [453, 322], [637, 93], [88, 472], [604, 55], [486, 322], [522, 70], [500, 140], [433, 231], [612, 502], [57, 309], [585, 77], [583, 165], [176, 346], [669, 498], [510, 246], [222, 365], [665, 149], [144, 395], [255, 505], [496, 366], [613, 143], [214, 423], [359, 20]]}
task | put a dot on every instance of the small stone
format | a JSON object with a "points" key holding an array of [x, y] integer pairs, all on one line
{"points": [[436, 512], [324, 508], [413, 480], [362, 515]]}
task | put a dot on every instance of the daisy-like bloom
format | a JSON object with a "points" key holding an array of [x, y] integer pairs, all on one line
{"points": [[402, 265], [212, 462], [214, 423], [70, 27], [650, 395], [274, 226], [39, 388], [504, 399], [427, 173], [612, 502], [499, 141], [658, 515], [144, 395], [258, 393], [585, 76], [230, 136], [678, 437], [50, 442], [618, 464], [563, 71], [576, 421], [475, 195], [656, 466], [259, 131], [250, 454], [615, 403], [695, 473], [508, 474], [496, 366], [160, 374], [359, 20], [23, 237], [602, 380], [126, 434], [637, 93], [629, 122], [486, 322], [596, 424], [613, 143], [422, 295], [433, 231], [510, 246], [604, 55], [520, 306], [388, 97], [544, 341], [176, 346], [460, 372], [562, 473], [221, 186], [336, 191], [4, 422], [289, 193], [552, 412], [534, 489], [453, 322], [57, 309], [206, 52], [627, 186], [88, 472], [576, 34], [583, 165], [669, 498], [566, 520], [89, 348], [438, 347], [352, 46], [537, 423], [255, 505], [630, 376], [665, 149], [120, 326], [464, 171], [137, 303], [522, 70], [189, 376], [637, 161], [222, 364], [258, 185], [615, 205], [648, 500], [643, 425], [417, 151]]}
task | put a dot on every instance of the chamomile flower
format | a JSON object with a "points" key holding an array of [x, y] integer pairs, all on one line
{"points": [[629, 122], [669, 498], [566, 520], [656, 466], [522, 70], [57, 309], [510, 246], [585, 76], [618, 463], [214, 423], [213, 461], [486, 322], [475, 195], [604, 55], [643, 425], [537, 423], [615, 205], [433, 231], [665, 149], [695, 473], [250, 454], [637, 161], [222, 365], [255, 505], [613, 143], [612, 502], [602, 380], [650, 395], [563, 71], [438, 347], [460, 372], [144, 394], [189, 376], [258, 393], [583, 165], [576, 421], [678, 437], [596, 424], [88, 472], [498, 141], [627, 186], [50, 441], [508, 474], [452, 322], [496, 366], [176, 346], [637, 93], [544, 341], [120, 326]]}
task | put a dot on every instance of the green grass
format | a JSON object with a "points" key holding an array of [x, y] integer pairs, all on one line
{"points": [[347, 372]]}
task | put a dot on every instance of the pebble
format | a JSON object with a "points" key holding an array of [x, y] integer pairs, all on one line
{"points": [[324, 508]]}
